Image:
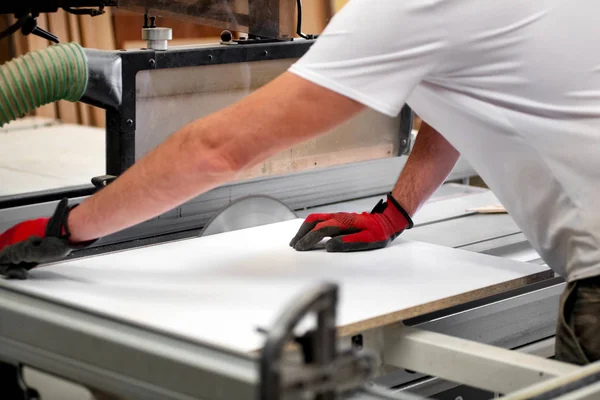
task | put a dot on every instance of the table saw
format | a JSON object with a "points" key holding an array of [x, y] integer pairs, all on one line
{"points": [[201, 303], [106, 348]]}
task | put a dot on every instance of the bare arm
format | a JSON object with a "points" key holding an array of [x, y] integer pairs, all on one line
{"points": [[429, 164], [211, 151]]}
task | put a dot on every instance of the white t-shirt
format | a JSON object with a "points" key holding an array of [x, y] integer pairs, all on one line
{"points": [[514, 85]]}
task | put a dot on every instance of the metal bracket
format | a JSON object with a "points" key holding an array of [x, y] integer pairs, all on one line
{"points": [[13, 385], [467, 362], [325, 371], [406, 127], [27, 12], [103, 181], [157, 38]]}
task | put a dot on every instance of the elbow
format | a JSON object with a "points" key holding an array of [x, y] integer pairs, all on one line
{"points": [[217, 164], [212, 157]]}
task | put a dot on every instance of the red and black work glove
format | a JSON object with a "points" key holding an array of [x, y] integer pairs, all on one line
{"points": [[354, 232], [30, 243]]}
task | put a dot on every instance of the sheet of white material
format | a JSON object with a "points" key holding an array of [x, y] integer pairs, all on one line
{"points": [[39, 155], [219, 289]]}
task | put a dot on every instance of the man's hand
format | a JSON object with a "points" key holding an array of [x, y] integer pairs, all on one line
{"points": [[34, 242], [354, 232]]}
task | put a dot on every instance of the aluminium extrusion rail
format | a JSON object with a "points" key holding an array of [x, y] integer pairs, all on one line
{"points": [[137, 363], [120, 358]]}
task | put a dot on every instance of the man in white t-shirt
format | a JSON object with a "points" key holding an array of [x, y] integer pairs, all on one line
{"points": [[512, 85]]}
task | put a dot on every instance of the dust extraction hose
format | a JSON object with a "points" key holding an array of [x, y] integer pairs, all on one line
{"points": [[41, 77]]}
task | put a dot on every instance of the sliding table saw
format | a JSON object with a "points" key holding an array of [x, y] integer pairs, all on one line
{"points": [[191, 324], [201, 304]]}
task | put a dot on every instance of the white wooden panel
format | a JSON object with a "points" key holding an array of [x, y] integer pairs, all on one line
{"points": [[219, 289]]}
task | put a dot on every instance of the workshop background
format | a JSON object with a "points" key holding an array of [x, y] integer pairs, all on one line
{"points": [[120, 29]]}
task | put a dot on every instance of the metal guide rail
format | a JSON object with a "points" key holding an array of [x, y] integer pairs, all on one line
{"points": [[137, 363]]}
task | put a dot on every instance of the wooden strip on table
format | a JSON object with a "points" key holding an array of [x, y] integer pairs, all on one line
{"points": [[489, 209]]}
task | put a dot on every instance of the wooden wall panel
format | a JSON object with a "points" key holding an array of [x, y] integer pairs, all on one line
{"points": [[128, 29], [5, 45], [315, 16]]}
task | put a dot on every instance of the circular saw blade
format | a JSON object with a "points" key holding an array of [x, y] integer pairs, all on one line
{"points": [[248, 212]]}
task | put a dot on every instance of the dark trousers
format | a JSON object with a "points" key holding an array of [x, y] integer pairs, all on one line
{"points": [[578, 330]]}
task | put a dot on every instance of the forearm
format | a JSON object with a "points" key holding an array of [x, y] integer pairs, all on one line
{"points": [[166, 177], [210, 152], [429, 164]]}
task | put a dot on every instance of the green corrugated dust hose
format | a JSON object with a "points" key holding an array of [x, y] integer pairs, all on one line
{"points": [[57, 73]]}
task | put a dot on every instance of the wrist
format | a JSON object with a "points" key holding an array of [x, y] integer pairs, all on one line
{"points": [[408, 202], [74, 225], [398, 214]]}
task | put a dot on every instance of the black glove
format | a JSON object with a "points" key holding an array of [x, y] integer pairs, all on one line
{"points": [[30, 243]]}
